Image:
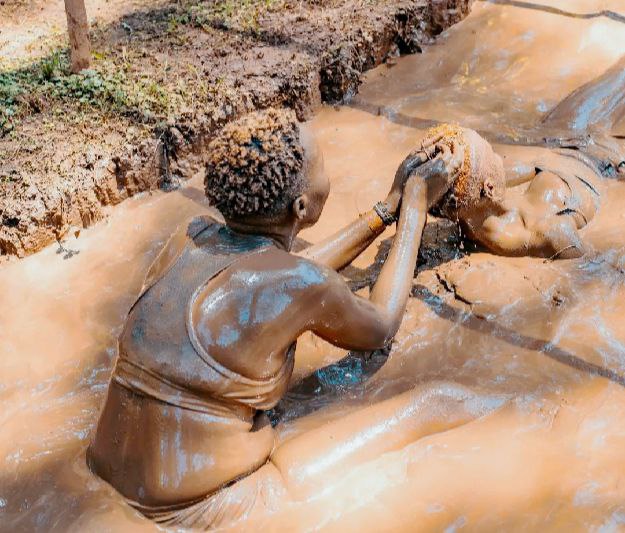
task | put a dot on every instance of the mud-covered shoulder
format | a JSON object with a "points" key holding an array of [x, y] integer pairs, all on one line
{"points": [[280, 268], [271, 290], [196, 225], [174, 246]]}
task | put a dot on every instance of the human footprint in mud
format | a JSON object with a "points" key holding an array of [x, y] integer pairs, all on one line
{"points": [[545, 219], [209, 345]]}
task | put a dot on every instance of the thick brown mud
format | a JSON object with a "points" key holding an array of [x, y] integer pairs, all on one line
{"points": [[542, 341]]}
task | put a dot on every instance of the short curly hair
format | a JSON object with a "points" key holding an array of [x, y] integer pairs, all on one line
{"points": [[255, 164]]}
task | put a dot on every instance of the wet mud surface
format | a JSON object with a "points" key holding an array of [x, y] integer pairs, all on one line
{"points": [[541, 342], [196, 66]]}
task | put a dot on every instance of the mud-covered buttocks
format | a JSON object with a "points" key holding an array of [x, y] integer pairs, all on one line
{"points": [[598, 104]]}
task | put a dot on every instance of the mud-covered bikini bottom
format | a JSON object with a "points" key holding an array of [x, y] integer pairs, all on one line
{"points": [[232, 502]]}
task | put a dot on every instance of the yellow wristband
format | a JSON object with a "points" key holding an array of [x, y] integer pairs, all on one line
{"points": [[376, 224]]}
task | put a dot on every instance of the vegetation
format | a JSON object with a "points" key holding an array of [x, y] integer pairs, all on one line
{"points": [[113, 85], [49, 82], [242, 15]]}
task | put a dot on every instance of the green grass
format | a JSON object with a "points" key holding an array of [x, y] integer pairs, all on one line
{"points": [[111, 86], [48, 83]]}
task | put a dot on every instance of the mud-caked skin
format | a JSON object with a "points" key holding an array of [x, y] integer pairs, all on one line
{"points": [[564, 190], [209, 345], [561, 196], [551, 197]]}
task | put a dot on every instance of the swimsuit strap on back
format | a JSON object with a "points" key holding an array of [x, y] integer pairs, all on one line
{"points": [[172, 250], [143, 381]]}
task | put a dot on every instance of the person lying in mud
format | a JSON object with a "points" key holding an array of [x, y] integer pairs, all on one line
{"points": [[209, 344], [545, 219], [563, 194]]}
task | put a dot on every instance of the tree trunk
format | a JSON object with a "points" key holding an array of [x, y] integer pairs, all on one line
{"points": [[78, 29]]}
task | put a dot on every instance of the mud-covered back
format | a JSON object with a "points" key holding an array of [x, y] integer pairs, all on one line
{"points": [[155, 335]]}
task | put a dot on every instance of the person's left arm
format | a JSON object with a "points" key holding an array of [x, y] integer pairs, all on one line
{"points": [[341, 248]]}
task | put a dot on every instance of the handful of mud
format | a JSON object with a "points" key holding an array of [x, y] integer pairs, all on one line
{"points": [[481, 177]]}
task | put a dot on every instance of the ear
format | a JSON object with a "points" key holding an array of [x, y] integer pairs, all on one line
{"points": [[300, 207]]}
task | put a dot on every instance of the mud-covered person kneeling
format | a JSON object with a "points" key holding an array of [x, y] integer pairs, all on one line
{"points": [[209, 344]]}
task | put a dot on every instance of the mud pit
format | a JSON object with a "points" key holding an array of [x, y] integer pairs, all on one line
{"points": [[67, 159], [543, 341]]}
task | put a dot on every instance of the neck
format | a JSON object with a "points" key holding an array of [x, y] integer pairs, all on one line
{"points": [[475, 218], [282, 234]]}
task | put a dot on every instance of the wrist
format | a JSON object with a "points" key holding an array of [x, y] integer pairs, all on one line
{"points": [[382, 210], [392, 202], [415, 192]]}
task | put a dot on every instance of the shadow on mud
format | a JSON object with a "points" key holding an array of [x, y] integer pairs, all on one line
{"points": [[556, 11], [514, 338]]}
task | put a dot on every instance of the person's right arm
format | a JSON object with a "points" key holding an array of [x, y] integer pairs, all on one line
{"points": [[349, 321], [341, 248]]}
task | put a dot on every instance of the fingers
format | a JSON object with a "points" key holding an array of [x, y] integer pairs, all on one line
{"points": [[430, 150], [445, 154], [416, 159], [411, 163], [431, 141], [452, 155], [444, 158]]}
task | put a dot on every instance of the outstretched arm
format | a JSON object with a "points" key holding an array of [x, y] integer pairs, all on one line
{"points": [[341, 248], [520, 173], [351, 322]]}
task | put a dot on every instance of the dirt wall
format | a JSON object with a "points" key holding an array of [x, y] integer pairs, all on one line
{"points": [[65, 162]]}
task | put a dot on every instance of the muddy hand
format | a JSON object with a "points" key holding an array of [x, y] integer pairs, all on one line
{"points": [[429, 144], [441, 171], [404, 171], [429, 181]]}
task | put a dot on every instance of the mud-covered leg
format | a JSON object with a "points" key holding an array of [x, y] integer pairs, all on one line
{"points": [[597, 104], [324, 455]]}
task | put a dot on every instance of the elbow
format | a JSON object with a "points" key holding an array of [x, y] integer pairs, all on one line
{"points": [[384, 332], [392, 330]]}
